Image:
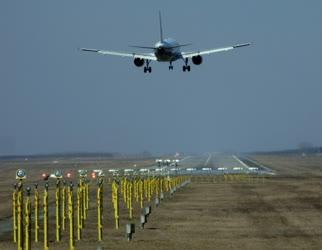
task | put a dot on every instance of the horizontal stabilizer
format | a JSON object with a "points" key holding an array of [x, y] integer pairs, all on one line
{"points": [[141, 47]]}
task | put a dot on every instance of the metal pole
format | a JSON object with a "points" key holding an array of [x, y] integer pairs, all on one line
{"points": [[79, 213], [28, 221], [14, 213], [99, 210], [46, 217], [36, 205], [20, 215], [115, 199], [63, 209], [58, 233], [71, 217]]}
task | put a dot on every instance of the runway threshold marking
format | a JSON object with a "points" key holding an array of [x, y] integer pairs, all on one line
{"points": [[208, 159], [241, 162]]}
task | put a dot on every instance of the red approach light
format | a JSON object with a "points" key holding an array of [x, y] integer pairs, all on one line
{"points": [[45, 176], [69, 175], [93, 175]]}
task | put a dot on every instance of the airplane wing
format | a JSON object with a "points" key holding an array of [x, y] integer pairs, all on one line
{"points": [[146, 56], [210, 51]]}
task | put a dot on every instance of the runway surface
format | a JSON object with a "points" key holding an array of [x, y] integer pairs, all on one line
{"points": [[219, 163]]}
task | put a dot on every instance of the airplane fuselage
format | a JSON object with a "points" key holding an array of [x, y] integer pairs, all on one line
{"points": [[167, 50]]}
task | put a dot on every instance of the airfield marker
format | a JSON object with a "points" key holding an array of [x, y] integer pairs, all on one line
{"points": [[79, 213], [115, 200], [28, 221], [36, 207], [57, 196], [14, 213], [71, 217], [45, 204], [63, 208], [141, 192], [99, 209], [20, 175]]}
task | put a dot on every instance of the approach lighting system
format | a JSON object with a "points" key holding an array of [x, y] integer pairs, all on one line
{"points": [[97, 173], [21, 174], [58, 174], [45, 176], [82, 173]]}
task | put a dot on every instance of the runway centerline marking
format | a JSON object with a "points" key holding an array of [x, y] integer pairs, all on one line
{"points": [[207, 161]]}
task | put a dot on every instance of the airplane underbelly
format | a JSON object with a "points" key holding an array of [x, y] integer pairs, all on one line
{"points": [[166, 57]]}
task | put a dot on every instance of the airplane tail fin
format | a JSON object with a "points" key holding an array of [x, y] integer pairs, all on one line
{"points": [[161, 30]]}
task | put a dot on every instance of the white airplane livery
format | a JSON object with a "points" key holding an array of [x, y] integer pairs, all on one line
{"points": [[166, 50]]}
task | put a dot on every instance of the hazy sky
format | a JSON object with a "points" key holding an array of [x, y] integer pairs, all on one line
{"points": [[54, 98]]}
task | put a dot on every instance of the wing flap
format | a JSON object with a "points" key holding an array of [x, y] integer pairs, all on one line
{"points": [[211, 51], [122, 54]]}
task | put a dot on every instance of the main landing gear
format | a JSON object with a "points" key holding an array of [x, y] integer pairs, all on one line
{"points": [[170, 67], [147, 68], [186, 67]]}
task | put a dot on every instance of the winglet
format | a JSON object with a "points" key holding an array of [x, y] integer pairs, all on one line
{"points": [[89, 50], [241, 45]]}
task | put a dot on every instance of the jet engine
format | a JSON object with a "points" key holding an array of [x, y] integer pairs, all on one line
{"points": [[197, 60], [138, 62]]}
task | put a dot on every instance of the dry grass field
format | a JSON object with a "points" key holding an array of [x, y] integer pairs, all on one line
{"points": [[278, 212]]}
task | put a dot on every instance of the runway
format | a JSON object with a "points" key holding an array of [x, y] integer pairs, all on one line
{"points": [[220, 163]]}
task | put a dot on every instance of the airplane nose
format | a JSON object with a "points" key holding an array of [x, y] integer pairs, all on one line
{"points": [[161, 50]]}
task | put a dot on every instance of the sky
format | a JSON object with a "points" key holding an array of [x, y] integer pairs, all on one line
{"points": [[54, 98]]}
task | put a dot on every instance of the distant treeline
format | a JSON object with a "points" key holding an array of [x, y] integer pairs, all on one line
{"points": [[309, 150], [74, 155]]}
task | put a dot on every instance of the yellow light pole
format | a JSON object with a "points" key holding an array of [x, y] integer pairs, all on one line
{"points": [[45, 204], [82, 176], [141, 192], [71, 217], [63, 208], [57, 196], [83, 192], [128, 194], [115, 200], [145, 187], [28, 221], [79, 212], [14, 213], [36, 205], [131, 199], [20, 175], [87, 195], [99, 209], [124, 189], [149, 187]]}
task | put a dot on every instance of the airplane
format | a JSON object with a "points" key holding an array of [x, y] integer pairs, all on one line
{"points": [[166, 50]]}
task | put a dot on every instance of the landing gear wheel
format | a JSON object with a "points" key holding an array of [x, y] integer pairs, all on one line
{"points": [[147, 70], [188, 68], [184, 68], [170, 67]]}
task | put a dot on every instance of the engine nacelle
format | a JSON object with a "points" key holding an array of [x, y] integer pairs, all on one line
{"points": [[197, 60], [138, 62]]}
